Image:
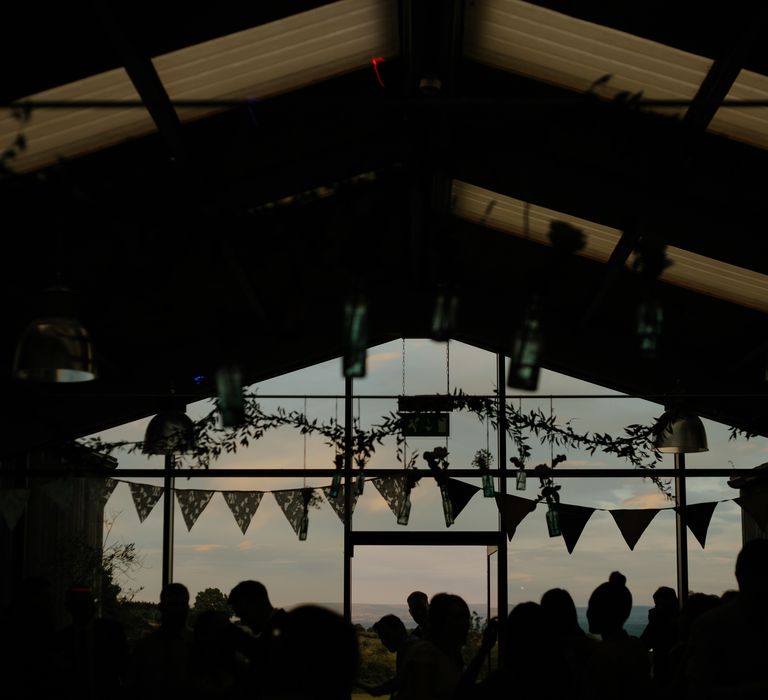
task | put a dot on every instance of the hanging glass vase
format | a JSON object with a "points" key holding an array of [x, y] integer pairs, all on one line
{"points": [[447, 507], [488, 490], [335, 485], [229, 385], [405, 510], [360, 483], [553, 522], [520, 480], [304, 524]]}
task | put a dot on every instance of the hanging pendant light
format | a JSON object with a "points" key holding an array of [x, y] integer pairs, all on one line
{"points": [[680, 432], [444, 317], [169, 432], [229, 385], [55, 347], [355, 336]]}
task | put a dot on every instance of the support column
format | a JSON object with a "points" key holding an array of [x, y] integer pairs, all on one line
{"points": [[681, 529], [348, 486], [503, 595], [168, 483]]}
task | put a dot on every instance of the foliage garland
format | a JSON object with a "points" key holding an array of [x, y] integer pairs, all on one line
{"points": [[212, 441]]}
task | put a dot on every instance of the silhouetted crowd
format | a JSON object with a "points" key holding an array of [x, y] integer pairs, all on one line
{"points": [[712, 647]]}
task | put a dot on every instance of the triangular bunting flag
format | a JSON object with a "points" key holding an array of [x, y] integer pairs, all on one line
{"points": [[756, 506], [572, 521], [145, 497], [513, 511], [192, 502], [697, 518], [101, 489], [12, 504], [243, 505], [459, 493], [392, 490], [632, 523], [61, 492], [292, 505], [338, 503]]}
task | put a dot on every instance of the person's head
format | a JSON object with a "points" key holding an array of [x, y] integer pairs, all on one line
{"points": [[695, 605], [560, 611], [391, 631], [418, 607], [174, 605], [448, 621], [665, 598], [313, 654], [80, 604], [250, 602], [609, 605], [752, 568]]}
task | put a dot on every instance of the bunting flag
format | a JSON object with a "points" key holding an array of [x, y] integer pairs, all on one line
{"points": [[513, 511], [572, 521], [12, 504], [243, 505], [756, 506], [61, 492], [459, 494], [392, 490], [192, 502], [101, 489], [338, 502], [145, 496], [697, 518], [292, 505], [632, 523]]}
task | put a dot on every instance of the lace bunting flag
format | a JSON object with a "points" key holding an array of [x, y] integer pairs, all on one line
{"points": [[145, 497], [12, 504], [243, 505], [192, 502]]}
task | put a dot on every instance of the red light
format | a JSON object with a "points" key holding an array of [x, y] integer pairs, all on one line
{"points": [[375, 61]]}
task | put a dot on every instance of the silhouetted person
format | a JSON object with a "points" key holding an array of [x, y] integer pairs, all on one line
{"points": [[312, 655], [418, 607], [619, 665], [728, 645], [161, 659], [26, 642], [662, 632], [396, 639], [90, 652], [565, 633], [433, 668], [250, 602]]}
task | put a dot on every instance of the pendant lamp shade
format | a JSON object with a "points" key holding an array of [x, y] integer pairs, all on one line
{"points": [[681, 433], [169, 432], [55, 349]]}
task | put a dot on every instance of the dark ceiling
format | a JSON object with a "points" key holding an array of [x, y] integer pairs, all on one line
{"points": [[178, 265]]}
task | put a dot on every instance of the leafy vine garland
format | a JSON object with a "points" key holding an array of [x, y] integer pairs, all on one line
{"points": [[212, 441]]}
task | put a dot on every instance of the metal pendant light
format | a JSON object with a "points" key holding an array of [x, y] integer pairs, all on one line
{"points": [[54, 349], [169, 432], [681, 433]]}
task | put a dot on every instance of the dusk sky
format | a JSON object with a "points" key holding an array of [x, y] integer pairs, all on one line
{"points": [[215, 553]]}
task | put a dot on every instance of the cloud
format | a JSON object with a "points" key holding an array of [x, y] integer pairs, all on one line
{"points": [[381, 357], [584, 463], [204, 547], [652, 499]]}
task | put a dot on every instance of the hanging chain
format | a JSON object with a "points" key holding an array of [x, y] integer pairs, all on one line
{"points": [[305, 444], [405, 440], [551, 444], [447, 375], [403, 366]]}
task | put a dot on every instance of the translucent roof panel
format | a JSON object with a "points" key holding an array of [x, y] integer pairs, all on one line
{"points": [[539, 43], [749, 124], [63, 133], [528, 221], [689, 270], [282, 55], [255, 63]]}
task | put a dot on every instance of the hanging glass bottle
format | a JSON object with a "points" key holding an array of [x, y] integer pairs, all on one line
{"points": [[229, 386], [335, 485], [405, 510], [360, 482], [304, 524], [553, 521], [447, 506], [520, 480], [525, 354], [355, 336], [488, 490]]}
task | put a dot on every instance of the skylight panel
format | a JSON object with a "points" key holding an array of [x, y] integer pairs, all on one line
{"points": [[748, 124], [546, 45]]}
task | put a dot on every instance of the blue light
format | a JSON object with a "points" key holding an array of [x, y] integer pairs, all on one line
{"points": [[199, 379]]}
